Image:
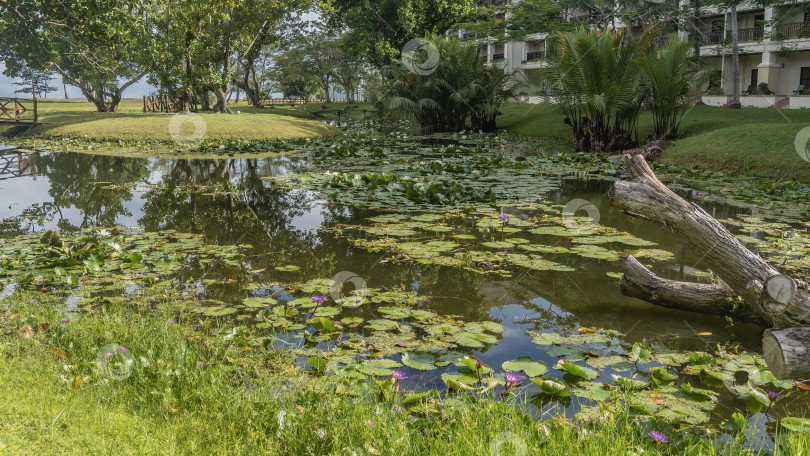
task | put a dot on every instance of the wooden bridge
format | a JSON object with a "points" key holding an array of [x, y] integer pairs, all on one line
{"points": [[297, 101], [165, 103], [22, 111], [18, 164]]}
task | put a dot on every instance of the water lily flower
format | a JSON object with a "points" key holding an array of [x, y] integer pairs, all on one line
{"points": [[505, 218], [66, 320], [124, 349], [171, 322], [658, 436], [84, 279], [110, 355], [398, 375], [318, 299], [773, 395], [201, 364], [103, 233], [512, 377]]}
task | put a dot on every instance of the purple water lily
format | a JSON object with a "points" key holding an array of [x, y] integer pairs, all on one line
{"points": [[110, 355], [398, 375], [318, 299], [505, 218], [658, 436], [773, 395], [124, 349], [66, 320], [512, 377]]}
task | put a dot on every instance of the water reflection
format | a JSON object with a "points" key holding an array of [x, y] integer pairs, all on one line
{"points": [[229, 202]]}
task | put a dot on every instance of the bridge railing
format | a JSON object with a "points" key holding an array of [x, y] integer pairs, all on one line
{"points": [[18, 110]]}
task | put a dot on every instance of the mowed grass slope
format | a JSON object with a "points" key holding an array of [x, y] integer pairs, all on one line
{"points": [[79, 119], [751, 141]]}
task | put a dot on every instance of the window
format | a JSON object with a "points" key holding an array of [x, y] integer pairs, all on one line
{"points": [[804, 78], [718, 25], [759, 20]]}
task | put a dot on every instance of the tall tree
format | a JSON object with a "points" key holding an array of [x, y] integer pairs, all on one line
{"points": [[735, 58], [196, 44], [93, 44], [378, 29], [34, 82]]}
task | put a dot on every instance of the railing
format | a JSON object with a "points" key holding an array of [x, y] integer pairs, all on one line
{"points": [[749, 34], [743, 35], [17, 164], [164, 103], [794, 30], [538, 55], [15, 110], [298, 101], [713, 37]]}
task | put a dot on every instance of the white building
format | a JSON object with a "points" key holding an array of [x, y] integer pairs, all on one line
{"points": [[774, 47]]}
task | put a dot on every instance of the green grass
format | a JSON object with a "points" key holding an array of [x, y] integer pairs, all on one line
{"points": [[758, 142], [245, 400], [79, 119]]}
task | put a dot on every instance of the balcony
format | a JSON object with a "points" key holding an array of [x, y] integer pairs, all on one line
{"points": [[743, 35], [532, 56], [795, 30]]}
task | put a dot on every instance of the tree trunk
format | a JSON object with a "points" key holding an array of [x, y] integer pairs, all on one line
{"points": [[735, 59], [639, 282], [779, 301], [221, 105], [787, 351]]}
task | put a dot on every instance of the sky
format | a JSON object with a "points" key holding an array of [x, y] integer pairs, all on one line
{"points": [[7, 88]]}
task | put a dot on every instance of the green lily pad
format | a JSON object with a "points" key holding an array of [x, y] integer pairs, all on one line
{"points": [[530, 367]]}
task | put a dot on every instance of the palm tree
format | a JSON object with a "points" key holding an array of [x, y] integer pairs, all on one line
{"points": [[593, 80], [735, 58], [460, 92], [674, 82]]}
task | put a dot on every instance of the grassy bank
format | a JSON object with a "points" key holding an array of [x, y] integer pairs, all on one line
{"points": [[195, 388], [79, 119], [757, 142]]}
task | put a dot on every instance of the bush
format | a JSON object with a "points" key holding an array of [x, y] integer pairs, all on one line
{"points": [[762, 89]]}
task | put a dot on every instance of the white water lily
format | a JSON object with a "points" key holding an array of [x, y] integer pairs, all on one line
{"points": [[115, 246], [103, 232]]}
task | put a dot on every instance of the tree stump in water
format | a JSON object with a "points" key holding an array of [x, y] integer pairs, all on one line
{"points": [[762, 294]]}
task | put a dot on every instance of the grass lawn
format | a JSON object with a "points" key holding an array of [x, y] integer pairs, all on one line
{"points": [[79, 119], [193, 390], [751, 141]]}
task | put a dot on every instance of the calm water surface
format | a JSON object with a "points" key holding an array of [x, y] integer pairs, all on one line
{"points": [[228, 202]]}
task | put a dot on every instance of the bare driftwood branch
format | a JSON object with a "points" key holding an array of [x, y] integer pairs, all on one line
{"points": [[639, 282], [777, 300]]}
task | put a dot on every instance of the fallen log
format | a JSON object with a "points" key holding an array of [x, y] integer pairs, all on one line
{"points": [[639, 282], [787, 351], [777, 300]]}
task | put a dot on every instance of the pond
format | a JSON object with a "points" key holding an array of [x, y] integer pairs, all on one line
{"points": [[459, 247]]}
